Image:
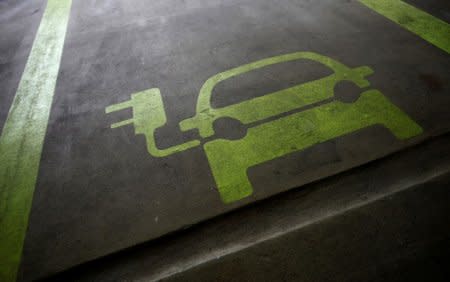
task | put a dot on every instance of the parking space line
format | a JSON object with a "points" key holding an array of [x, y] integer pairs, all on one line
{"points": [[428, 27], [24, 131]]}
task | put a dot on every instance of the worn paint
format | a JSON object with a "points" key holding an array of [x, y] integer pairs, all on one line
{"points": [[275, 103], [429, 28], [148, 115], [278, 135], [23, 134], [231, 159]]}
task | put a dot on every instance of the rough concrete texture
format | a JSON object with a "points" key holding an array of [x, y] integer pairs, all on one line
{"points": [[98, 189], [361, 225]]}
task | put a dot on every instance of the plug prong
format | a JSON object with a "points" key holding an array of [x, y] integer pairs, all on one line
{"points": [[122, 123], [118, 107]]}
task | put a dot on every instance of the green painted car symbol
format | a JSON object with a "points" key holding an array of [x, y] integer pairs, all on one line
{"points": [[283, 134]]}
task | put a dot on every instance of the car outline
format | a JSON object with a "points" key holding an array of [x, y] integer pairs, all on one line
{"points": [[230, 172]]}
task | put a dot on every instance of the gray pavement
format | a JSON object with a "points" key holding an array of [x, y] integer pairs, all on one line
{"points": [[101, 190], [385, 221]]}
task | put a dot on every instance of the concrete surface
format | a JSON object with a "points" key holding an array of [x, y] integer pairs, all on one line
{"points": [[98, 189], [362, 225]]}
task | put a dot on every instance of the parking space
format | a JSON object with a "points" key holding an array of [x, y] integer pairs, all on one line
{"points": [[169, 113]]}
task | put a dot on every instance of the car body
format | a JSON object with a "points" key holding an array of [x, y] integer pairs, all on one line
{"points": [[276, 123]]}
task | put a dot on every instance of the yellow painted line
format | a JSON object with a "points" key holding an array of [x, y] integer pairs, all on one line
{"points": [[428, 27], [23, 134]]}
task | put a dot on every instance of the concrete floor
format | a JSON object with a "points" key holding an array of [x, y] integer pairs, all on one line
{"points": [[356, 226], [99, 190]]}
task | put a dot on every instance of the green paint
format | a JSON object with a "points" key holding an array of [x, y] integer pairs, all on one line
{"points": [[274, 103], [429, 28], [23, 134], [230, 159], [298, 132], [148, 115]]}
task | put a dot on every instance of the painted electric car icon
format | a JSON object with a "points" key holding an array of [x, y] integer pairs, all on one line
{"points": [[276, 123]]}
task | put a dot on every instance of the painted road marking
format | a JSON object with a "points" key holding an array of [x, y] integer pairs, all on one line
{"points": [[428, 27], [229, 160], [23, 134]]}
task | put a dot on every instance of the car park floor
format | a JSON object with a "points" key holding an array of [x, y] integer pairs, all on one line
{"points": [[286, 174]]}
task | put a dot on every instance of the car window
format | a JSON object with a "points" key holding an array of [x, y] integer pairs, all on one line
{"points": [[266, 80]]}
